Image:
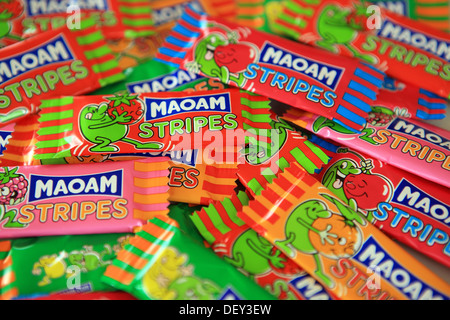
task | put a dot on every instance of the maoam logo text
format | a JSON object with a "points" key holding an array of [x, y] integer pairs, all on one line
{"points": [[41, 7], [405, 127], [51, 52], [373, 255], [158, 108], [163, 83], [438, 47], [47, 187], [326, 74], [412, 197], [168, 14]]}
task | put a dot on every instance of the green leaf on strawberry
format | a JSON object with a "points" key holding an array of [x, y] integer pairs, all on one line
{"points": [[126, 104]]}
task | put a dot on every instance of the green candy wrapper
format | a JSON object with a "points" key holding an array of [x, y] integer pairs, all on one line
{"points": [[31, 267], [189, 271], [155, 76]]}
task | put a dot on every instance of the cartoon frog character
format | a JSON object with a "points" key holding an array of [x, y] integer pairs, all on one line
{"points": [[333, 27], [53, 266], [223, 57], [102, 129], [299, 225], [258, 152], [254, 254], [9, 10], [193, 288], [88, 259]]}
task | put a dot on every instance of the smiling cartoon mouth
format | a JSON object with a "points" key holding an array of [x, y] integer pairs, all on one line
{"points": [[340, 177], [209, 55]]}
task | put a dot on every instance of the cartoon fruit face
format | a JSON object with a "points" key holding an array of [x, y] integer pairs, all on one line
{"points": [[120, 104], [13, 187], [368, 190], [235, 56], [10, 9], [347, 242]]}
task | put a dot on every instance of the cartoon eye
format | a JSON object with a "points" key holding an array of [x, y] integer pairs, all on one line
{"points": [[5, 191], [88, 116], [344, 165], [342, 241], [260, 154]]}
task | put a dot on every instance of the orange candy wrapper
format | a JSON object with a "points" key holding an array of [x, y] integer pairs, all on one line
{"points": [[349, 256]]}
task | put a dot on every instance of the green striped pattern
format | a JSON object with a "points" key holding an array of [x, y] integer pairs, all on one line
{"points": [[141, 254], [230, 205], [136, 26], [261, 116], [103, 53], [51, 111]]}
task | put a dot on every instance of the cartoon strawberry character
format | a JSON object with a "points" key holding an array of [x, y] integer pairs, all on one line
{"points": [[357, 19], [13, 189], [380, 116], [127, 105]]}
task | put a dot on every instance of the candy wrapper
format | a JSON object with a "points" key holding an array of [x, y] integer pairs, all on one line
{"points": [[405, 49], [401, 204], [191, 272], [264, 160], [90, 198], [88, 125], [100, 295], [434, 13], [311, 79], [36, 267], [131, 52], [117, 18], [236, 243], [166, 12], [58, 62], [409, 101], [194, 176], [349, 256], [413, 146], [155, 76]]}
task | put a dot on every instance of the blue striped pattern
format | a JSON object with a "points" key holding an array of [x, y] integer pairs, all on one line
{"points": [[359, 103], [368, 77], [363, 89], [431, 105], [178, 41], [343, 111], [423, 115]]}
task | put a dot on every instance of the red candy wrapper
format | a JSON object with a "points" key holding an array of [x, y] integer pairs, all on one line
{"points": [[231, 239], [413, 210], [409, 101], [338, 88], [264, 160], [405, 49], [149, 122], [58, 62], [408, 144], [117, 18]]}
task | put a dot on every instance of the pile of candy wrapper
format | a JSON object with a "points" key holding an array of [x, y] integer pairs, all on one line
{"points": [[224, 149]]}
